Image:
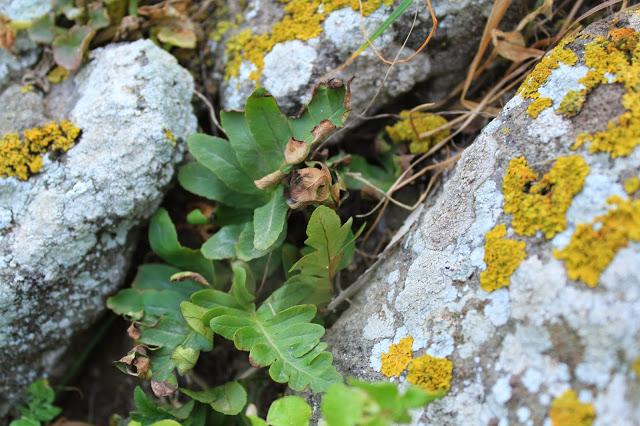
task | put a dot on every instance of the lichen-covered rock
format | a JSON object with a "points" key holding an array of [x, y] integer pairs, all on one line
{"points": [[68, 230], [287, 45], [524, 271]]}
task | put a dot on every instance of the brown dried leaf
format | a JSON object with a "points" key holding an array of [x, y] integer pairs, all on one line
{"points": [[309, 185], [7, 36], [270, 179], [188, 275], [161, 389], [296, 151], [511, 45], [133, 331], [322, 131]]}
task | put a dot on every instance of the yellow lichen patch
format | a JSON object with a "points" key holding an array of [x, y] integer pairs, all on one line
{"points": [[431, 373], [539, 105], [411, 125], [22, 158], [26, 88], [593, 246], [542, 71], [572, 102], [635, 367], [567, 410], [396, 360], [302, 20], [170, 136], [632, 185], [57, 75], [502, 256], [542, 206], [615, 59]]}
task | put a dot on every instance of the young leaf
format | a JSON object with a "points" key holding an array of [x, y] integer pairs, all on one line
{"points": [[222, 245], [39, 406], [196, 178], [269, 127], [196, 217], [228, 399], [330, 246], [150, 413], [164, 242], [269, 220], [289, 411], [218, 156]]}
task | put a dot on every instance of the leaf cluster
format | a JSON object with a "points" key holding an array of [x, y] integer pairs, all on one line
{"points": [[39, 408]]}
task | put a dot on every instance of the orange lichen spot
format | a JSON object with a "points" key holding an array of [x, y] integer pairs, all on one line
{"points": [[615, 59], [396, 360], [542, 71], [567, 410], [22, 158], [539, 105], [593, 246], [632, 185], [411, 125], [502, 256], [431, 373], [302, 20], [541, 206], [572, 102]]}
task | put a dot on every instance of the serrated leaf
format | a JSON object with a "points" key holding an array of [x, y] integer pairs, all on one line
{"points": [[269, 220], [163, 239], [279, 334], [268, 125], [228, 399], [218, 156], [70, 46], [330, 246], [196, 178], [222, 245]]}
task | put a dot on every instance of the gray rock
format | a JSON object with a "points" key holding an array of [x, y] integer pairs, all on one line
{"points": [[517, 348], [291, 68], [24, 10], [67, 233]]}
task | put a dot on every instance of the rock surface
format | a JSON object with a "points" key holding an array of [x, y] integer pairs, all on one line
{"points": [[295, 43], [67, 233], [560, 252]]}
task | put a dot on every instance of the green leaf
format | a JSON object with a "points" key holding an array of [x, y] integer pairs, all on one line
{"points": [[380, 177], [228, 399], [42, 30], [269, 220], [218, 156], [196, 178], [148, 412], [269, 127], [70, 46], [329, 247], [245, 249], [98, 17], [39, 406], [196, 217], [222, 245], [252, 161], [328, 103], [164, 242], [289, 411]]}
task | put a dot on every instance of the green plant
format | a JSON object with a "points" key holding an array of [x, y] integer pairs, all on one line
{"points": [[39, 406]]}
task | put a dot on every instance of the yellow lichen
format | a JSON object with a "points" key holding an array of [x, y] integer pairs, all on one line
{"points": [[615, 59], [26, 88], [542, 71], [572, 102], [396, 360], [22, 158], [632, 185], [431, 373], [302, 20], [593, 246], [57, 75], [170, 136], [542, 206], [567, 410], [502, 256], [411, 125], [635, 367], [539, 105]]}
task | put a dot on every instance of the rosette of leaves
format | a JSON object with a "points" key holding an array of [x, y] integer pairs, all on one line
{"points": [[164, 343], [260, 171], [280, 332]]}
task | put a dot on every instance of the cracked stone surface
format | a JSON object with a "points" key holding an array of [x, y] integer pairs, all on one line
{"points": [[517, 348], [67, 233], [292, 68]]}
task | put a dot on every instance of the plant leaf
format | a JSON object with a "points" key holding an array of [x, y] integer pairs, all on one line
{"points": [[269, 220], [70, 46], [228, 399], [222, 245], [246, 251], [289, 411], [164, 242], [245, 146], [218, 156], [329, 102]]}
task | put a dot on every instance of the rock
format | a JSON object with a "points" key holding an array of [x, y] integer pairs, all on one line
{"points": [[287, 48], [67, 233], [24, 10], [542, 211]]}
